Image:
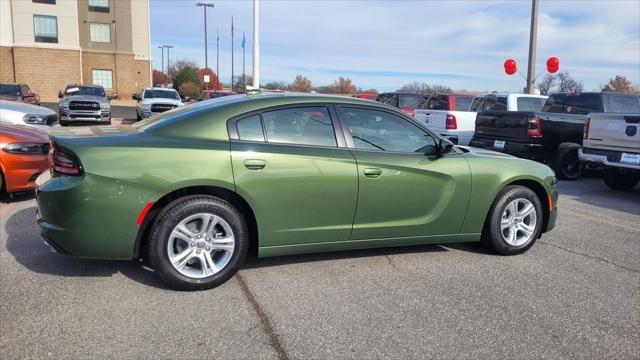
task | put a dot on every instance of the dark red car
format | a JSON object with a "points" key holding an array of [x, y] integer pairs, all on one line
{"points": [[18, 92]]}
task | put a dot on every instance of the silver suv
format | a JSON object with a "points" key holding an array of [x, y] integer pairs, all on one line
{"points": [[84, 104], [156, 100]]}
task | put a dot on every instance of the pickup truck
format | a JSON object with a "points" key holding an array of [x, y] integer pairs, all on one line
{"points": [[454, 116], [612, 140], [553, 135]]}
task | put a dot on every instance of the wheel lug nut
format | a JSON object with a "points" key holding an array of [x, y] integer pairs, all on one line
{"points": [[207, 248], [193, 244], [198, 251]]}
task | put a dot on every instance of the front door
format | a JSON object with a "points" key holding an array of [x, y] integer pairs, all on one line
{"points": [[301, 186], [403, 193]]}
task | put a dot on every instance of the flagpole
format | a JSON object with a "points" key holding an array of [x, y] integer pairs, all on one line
{"points": [[218, 59], [231, 52], [256, 45], [244, 77]]}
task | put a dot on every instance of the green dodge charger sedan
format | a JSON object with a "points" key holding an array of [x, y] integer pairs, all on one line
{"points": [[197, 189]]}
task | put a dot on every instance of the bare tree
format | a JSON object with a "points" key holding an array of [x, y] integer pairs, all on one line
{"points": [[546, 84], [276, 85], [619, 84], [301, 84], [424, 88], [568, 84], [238, 85]]}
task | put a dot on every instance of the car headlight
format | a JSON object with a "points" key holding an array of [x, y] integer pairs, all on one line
{"points": [[105, 106], [145, 106], [23, 148], [34, 119], [64, 106]]}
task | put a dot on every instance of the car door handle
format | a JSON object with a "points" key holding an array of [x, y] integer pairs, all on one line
{"points": [[372, 172], [255, 164]]}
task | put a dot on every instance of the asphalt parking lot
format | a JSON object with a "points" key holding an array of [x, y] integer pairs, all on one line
{"points": [[575, 294]]}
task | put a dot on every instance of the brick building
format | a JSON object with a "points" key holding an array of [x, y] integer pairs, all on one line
{"points": [[51, 43]]}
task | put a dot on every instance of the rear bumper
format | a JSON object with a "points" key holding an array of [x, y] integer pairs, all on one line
{"points": [[458, 137], [605, 157], [90, 216], [532, 151]]}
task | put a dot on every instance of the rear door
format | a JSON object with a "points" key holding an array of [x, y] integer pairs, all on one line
{"points": [[301, 185], [402, 192]]}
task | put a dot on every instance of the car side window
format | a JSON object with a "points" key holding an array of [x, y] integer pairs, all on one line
{"points": [[380, 130], [250, 128], [625, 103], [300, 125]]}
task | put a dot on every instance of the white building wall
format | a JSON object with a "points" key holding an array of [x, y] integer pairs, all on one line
{"points": [[140, 29], [6, 31], [66, 12]]}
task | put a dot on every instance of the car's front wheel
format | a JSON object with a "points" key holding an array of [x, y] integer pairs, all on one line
{"points": [[198, 243], [514, 222]]}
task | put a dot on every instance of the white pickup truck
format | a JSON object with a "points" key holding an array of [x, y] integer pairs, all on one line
{"points": [[612, 140], [454, 116]]}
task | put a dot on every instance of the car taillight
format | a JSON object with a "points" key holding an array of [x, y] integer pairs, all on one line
{"points": [[585, 133], [534, 127], [408, 111], [64, 164], [451, 122]]}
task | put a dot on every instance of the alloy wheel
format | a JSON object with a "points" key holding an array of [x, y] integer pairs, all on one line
{"points": [[518, 222], [201, 245]]}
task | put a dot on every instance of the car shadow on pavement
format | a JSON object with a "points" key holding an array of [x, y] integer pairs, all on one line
{"points": [[24, 243], [355, 254], [15, 197], [593, 191]]}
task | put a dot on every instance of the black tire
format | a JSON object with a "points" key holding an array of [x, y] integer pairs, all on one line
{"points": [[138, 117], [171, 217], [566, 162], [493, 235], [618, 180]]}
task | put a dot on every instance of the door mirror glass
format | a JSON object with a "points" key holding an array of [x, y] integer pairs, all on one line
{"points": [[444, 146]]}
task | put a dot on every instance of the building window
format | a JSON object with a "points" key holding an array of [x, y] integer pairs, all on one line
{"points": [[103, 78], [45, 28], [100, 32], [99, 5], [52, 2]]}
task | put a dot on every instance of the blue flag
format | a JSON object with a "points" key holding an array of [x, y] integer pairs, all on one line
{"points": [[244, 41]]}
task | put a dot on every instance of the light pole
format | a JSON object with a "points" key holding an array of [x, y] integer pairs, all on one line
{"points": [[205, 5], [168, 65], [162, 66], [256, 45], [533, 35]]}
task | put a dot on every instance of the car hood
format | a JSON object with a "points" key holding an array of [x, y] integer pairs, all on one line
{"points": [[20, 107], [99, 99], [23, 133], [161, 101], [10, 97], [484, 152]]}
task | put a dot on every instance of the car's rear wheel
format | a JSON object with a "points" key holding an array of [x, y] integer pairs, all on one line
{"points": [[618, 180], [198, 243], [566, 162], [514, 222]]}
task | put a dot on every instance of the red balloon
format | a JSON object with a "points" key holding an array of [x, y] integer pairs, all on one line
{"points": [[553, 64], [510, 67]]}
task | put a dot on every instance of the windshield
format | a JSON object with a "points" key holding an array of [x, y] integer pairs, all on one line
{"points": [[84, 90], [161, 94], [10, 90]]}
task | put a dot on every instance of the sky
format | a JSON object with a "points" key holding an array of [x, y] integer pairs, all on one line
{"points": [[386, 44]]}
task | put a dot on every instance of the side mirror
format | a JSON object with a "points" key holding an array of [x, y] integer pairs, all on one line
{"points": [[135, 97], [187, 99], [59, 94], [112, 97], [444, 146]]}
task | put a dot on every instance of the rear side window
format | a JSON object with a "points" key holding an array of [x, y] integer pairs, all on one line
{"points": [[302, 126], [463, 103], [530, 104], [250, 128], [389, 99], [439, 102], [409, 101], [495, 103], [582, 104], [478, 104], [625, 104]]}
